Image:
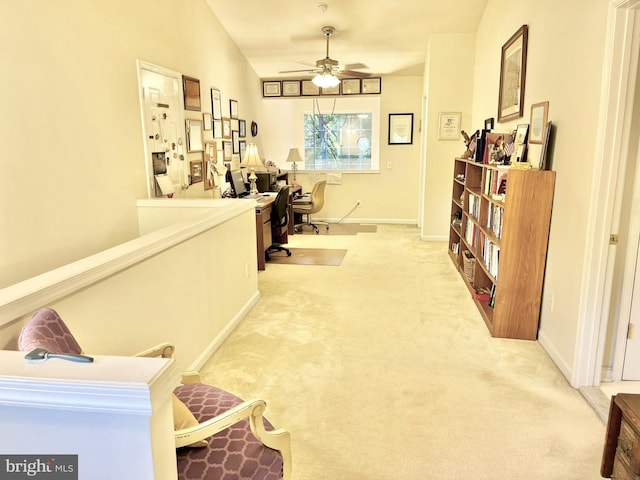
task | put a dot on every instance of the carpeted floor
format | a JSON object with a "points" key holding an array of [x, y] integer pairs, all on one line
{"points": [[339, 229], [382, 369], [309, 256]]}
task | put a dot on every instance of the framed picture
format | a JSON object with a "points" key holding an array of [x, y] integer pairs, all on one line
{"points": [[216, 104], [449, 125], [206, 121], [350, 86], [226, 151], [331, 90], [488, 123], [400, 128], [191, 90], [217, 128], [372, 85], [291, 88], [226, 128], [513, 69], [242, 128], [522, 132], [539, 113], [243, 149], [235, 140], [196, 171], [544, 154], [271, 89], [194, 135], [310, 88], [233, 109]]}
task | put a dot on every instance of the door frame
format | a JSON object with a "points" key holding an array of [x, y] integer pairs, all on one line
{"points": [[618, 86]]}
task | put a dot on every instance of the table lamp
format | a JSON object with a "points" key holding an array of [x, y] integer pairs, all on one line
{"points": [[294, 156], [252, 161]]}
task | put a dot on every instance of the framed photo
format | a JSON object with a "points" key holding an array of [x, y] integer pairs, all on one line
{"points": [[539, 113], [291, 88], [350, 86], [400, 128], [206, 121], [216, 104], [242, 128], [217, 128], [226, 151], [191, 90], [513, 69], [331, 90], [372, 85], [235, 140], [243, 149], [488, 123], [226, 128], [449, 125], [196, 171], [271, 89], [233, 109], [310, 88], [544, 154], [194, 135], [522, 132]]}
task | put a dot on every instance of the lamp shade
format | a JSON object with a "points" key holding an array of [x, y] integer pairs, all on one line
{"points": [[326, 80], [252, 158], [294, 156]]}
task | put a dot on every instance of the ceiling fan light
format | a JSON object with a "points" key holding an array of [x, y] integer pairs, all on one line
{"points": [[326, 80]]}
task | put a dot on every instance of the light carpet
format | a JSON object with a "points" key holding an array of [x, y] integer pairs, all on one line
{"points": [[383, 369], [309, 256], [339, 229]]}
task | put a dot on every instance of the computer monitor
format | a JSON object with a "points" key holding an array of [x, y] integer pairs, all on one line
{"points": [[237, 182]]}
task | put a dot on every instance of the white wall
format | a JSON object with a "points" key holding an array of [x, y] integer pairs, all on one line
{"points": [[448, 86], [391, 195], [564, 66], [70, 127]]}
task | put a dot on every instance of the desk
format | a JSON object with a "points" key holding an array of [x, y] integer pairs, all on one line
{"points": [[621, 456], [264, 234]]}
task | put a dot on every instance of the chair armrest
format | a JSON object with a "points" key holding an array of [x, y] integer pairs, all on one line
{"points": [[164, 350], [190, 376]]}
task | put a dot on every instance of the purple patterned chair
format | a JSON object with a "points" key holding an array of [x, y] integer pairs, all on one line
{"points": [[235, 442]]}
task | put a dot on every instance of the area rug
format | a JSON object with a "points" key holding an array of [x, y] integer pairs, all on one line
{"points": [[310, 256], [339, 229]]}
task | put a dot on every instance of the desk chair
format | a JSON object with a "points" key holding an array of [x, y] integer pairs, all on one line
{"points": [[217, 434], [279, 220], [310, 203]]}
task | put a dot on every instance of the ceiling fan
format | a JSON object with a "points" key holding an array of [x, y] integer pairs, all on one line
{"points": [[327, 68]]}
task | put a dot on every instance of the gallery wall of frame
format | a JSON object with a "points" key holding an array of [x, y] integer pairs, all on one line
{"points": [[306, 88], [215, 142]]}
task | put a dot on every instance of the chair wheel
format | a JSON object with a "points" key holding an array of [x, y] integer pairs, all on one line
{"points": [[288, 254]]}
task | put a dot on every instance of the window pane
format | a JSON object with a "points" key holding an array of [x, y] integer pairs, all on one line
{"points": [[340, 141]]}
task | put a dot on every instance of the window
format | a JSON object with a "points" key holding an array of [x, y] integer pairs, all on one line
{"points": [[338, 141]]}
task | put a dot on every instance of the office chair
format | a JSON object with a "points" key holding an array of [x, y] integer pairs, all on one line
{"points": [[279, 220], [310, 203], [217, 434]]}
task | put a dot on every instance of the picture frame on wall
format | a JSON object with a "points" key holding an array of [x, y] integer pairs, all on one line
{"points": [[291, 88], [350, 86], [226, 128], [196, 171], [191, 91], [194, 135], [206, 121], [227, 151], [449, 125], [216, 104], [271, 89], [309, 88], [243, 149], [331, 90], [372, 85], [217, 128], [400, 129], [235, 140], [242, 128], [513, 69], [539, 114], [233, 109]]}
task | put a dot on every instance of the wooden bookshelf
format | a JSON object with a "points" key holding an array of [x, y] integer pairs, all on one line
{"points": [[506, 239]]}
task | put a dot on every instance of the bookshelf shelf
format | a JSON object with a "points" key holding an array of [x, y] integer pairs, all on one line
{"points": [[504, 216]]}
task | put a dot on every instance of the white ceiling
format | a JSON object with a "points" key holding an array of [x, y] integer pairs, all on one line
{"points": [[390, 37]]}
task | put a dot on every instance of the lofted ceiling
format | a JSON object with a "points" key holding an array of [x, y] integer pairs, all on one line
{"points": [[389, 37]]}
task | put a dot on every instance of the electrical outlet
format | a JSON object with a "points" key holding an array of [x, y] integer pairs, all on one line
{"points": [[550, 301]]}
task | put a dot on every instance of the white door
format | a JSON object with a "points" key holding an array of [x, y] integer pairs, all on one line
{"points": [[160, 93], [631, 369]]}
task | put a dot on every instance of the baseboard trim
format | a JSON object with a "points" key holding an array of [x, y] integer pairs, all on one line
{"points": [[217, 342], [549, 347]]}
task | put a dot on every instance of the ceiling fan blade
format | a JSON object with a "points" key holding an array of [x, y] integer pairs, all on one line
{"points": [[299, 71], [355, 66], [352, 73]]}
